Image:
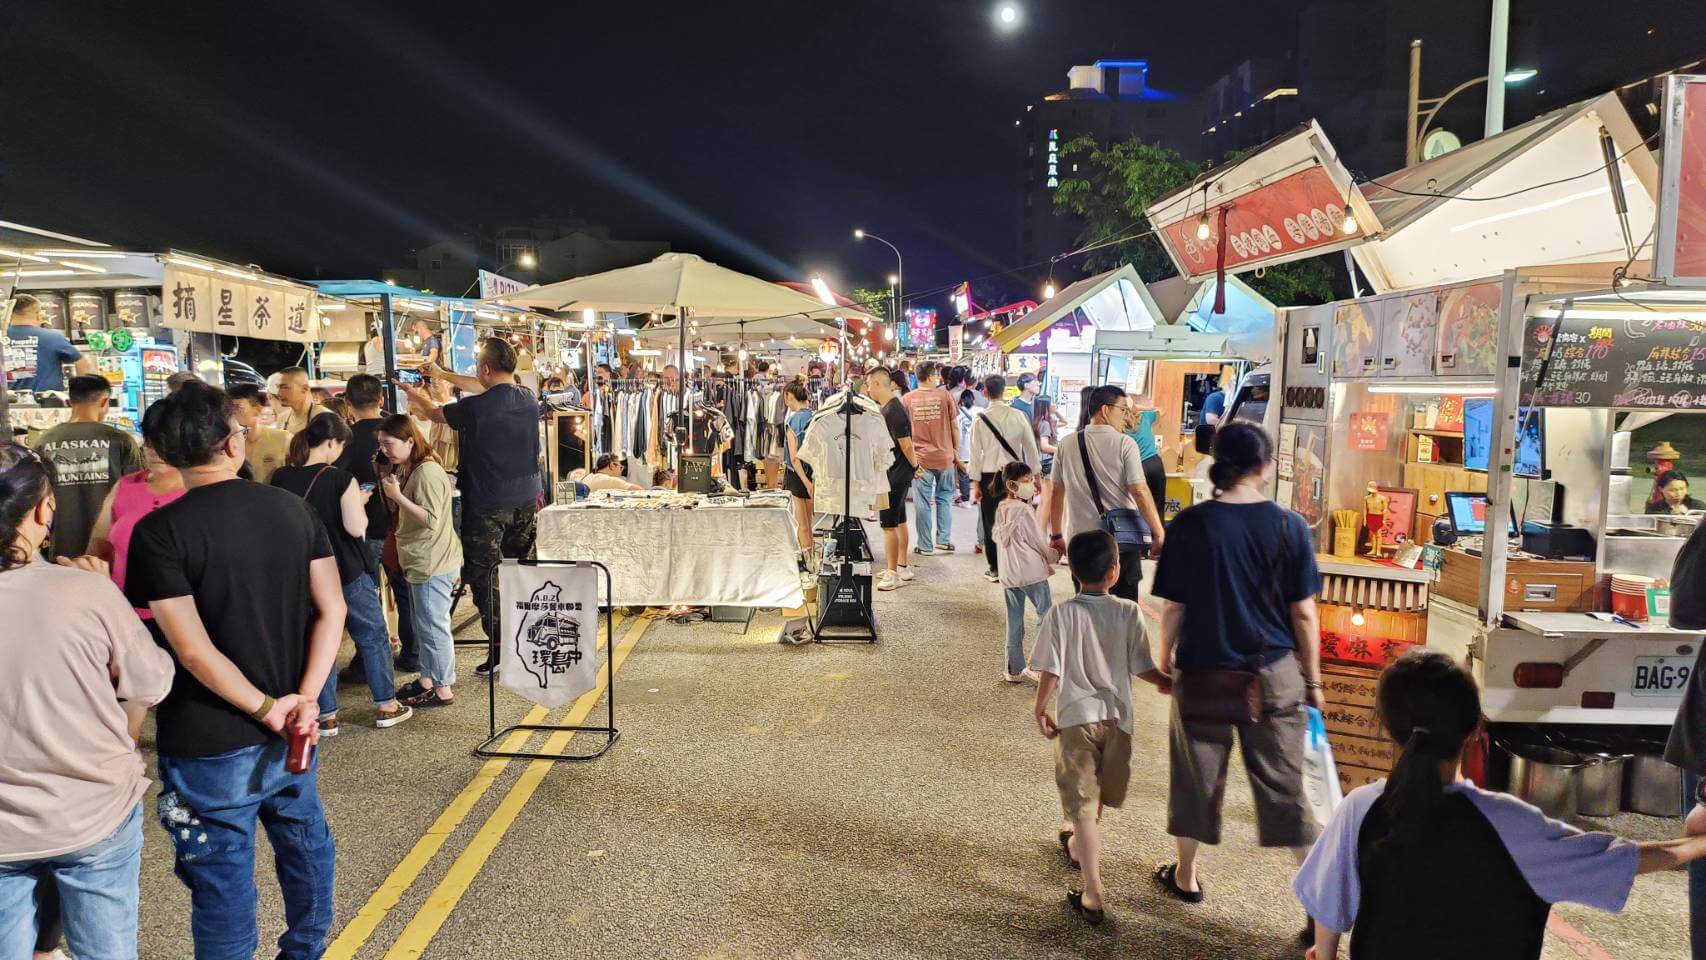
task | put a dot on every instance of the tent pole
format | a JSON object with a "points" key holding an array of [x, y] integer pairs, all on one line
{"points": [[681, 394]]}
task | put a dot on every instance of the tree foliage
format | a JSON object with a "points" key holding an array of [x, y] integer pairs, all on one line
{"points": [[1116, 184], [874, 302]]}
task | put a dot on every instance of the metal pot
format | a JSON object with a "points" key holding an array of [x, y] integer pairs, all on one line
{"points": [[1599, 787], [1652, 786], [1545, 777]]}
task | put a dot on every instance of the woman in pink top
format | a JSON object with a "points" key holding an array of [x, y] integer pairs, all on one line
{"points": [[132, 498]]}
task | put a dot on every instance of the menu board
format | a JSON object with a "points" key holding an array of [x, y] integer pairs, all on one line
{"points": [[1650, 363]]}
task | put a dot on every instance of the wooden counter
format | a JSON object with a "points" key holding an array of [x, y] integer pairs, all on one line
{"points": [[1530, 583]]}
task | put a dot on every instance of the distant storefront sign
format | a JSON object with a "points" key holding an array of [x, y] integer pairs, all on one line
{"points": [[498, 285]]}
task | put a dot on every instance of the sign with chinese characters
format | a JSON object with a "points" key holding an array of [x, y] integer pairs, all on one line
{"points": [[1052, 172], [1285, 220], [920, 330], [549, 630], [1646, 362], [215, 302]]}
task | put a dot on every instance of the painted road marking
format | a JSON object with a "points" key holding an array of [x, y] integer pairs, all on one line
{"points": [[417, 936], [355, 934]]}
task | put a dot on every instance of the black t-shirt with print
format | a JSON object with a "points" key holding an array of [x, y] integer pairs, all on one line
{"points": [[242, 550]]}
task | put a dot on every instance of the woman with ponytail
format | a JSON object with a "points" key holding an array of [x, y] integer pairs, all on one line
{"points": [[78, 665], [1425, 864], [1240, 637], [311, 473]]}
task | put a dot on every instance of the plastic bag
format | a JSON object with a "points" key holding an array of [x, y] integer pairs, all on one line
{"points": [[1320, 775]]}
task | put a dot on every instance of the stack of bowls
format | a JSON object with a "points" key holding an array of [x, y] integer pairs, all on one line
{"points": [[1629, 595]]}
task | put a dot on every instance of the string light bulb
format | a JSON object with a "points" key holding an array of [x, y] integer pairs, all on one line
{"points": [[1202, 226], [1048, 290], [1350, 224], [1357, 619]]}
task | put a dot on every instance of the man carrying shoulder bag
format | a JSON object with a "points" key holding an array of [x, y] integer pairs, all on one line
{"points": [[1099, 484], [999, 436]]}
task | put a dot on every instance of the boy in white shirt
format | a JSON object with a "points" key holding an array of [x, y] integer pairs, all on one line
{"points": [[1088, 648]]}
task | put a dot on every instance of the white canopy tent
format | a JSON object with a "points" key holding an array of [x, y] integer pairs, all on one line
{"points": [[1116, 300]]}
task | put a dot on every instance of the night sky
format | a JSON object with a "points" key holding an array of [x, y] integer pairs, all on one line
{"points": [[327, 139]]}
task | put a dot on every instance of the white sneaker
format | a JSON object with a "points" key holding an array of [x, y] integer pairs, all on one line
{"points": [[1023, 676], [992, 576], [923, 551], [906, 573], [887, 580]]}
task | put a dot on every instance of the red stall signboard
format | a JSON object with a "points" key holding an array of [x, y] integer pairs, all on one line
{"points": [[1274, 223]]}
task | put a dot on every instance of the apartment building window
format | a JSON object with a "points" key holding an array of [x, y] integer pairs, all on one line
{"points": [[512, 251]]}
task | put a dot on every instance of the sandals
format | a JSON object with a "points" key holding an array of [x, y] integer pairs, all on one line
{"points": [[1167, 876], [1066, 849], [1075, 900]]}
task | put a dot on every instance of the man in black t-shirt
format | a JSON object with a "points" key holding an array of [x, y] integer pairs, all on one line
{"points": [[881, 385], [254, 633], [89, 456], [497, 428], [366, 396]]}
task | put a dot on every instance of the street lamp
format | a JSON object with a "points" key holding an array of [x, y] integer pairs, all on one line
{"points": [[859, 233], [1423, 110]]}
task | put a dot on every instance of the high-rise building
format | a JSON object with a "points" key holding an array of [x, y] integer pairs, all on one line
{"points": [[1109, 100]]}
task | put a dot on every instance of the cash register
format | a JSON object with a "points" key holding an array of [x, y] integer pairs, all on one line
{"points": [[1467, 513]]}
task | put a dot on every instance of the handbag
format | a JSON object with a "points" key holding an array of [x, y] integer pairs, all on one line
{"points": [[1124, 524]]}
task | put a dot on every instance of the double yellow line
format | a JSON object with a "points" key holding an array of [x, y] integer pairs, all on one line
{"points": [[418, 934]]}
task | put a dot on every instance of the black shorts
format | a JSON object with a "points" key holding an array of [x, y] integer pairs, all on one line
{"points": [[792, 483], [894, 515]]}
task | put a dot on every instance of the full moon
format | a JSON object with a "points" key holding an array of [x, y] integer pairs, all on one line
{"points": [[1008, 15]]}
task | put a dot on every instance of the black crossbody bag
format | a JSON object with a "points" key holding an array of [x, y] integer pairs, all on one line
{"points": [[1124, 524], [1225, 695], [997, 488]]}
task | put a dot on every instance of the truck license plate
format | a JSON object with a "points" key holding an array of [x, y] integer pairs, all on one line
{"points": [[1660, 676]]}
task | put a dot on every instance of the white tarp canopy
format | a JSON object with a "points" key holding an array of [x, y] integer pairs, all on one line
{"points": [[720, 300], [1536, 195], [1116, 300]]}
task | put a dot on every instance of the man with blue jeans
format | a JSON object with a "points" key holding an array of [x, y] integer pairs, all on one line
{"points": [[255, 633], [366, 396], [935, 441]]}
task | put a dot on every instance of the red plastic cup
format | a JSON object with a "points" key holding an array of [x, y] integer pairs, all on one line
{"points": [[300, 753]]}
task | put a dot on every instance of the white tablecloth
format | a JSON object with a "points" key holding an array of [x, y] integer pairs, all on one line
{"points": [[707, 556]]}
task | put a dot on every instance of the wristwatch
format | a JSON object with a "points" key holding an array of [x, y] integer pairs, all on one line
{"points": [[1055, 536], [1314, 685]]}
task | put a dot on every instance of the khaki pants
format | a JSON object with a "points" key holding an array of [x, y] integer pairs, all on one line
{"points": [[1092, 767], [1273, 759]]}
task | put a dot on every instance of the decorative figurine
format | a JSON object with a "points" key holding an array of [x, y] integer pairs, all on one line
{"points": [[1374, 507]]}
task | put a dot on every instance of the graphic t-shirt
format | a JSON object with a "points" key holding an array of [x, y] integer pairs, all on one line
{"points": [[933, 431], [499, 433], [242, 550], [36, 358], [900, 428], [88, 458]]}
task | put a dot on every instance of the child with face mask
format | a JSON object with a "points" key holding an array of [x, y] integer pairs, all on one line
{"points": [[1027, 560]]}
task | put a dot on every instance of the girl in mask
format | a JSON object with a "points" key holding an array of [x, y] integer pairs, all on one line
{"points": [[1027, 560]]}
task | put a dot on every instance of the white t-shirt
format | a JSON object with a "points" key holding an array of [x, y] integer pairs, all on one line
{"points": [[1118, 465], [1095, 644], [605, 481]]}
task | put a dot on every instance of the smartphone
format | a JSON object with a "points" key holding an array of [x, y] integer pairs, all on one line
{"points": [[369, 486], [412, 377]]}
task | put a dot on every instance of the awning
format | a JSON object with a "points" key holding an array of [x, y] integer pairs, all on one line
{"points": [[1163, 343], [1116, 300], [1536, 195]]}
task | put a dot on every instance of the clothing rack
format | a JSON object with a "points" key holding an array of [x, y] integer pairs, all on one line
{"points": [[844, 591]]}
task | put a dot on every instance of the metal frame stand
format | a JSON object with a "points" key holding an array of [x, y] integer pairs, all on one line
{"points": [[850, 537], [612, 734]]}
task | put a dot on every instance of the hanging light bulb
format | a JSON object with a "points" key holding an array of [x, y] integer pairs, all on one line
{"points": [[1350, 225], [1357, 619], [1202, 226], [1048, 290], [888, 334]]}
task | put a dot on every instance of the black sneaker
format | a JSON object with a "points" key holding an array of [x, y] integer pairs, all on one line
{"points": [[484, 670], [406, 666], [355, 674]]}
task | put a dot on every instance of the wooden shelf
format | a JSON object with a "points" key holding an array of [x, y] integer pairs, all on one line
{"points": [[1439, 433]]}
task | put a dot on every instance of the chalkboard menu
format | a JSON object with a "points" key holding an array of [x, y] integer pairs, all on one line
{"points": [[1649, 363]]}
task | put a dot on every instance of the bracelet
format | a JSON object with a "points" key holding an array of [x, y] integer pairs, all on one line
{"points": [[260, 713], [1055, 536], [1314, 685]]}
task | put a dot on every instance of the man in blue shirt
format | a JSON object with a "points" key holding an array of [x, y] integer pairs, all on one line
{"points": [[1026, 401], [35, 355]]}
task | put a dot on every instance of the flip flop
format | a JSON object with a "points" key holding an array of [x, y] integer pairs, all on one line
{"points": [[1167, 876], [1066, 848], [1075, 900]]}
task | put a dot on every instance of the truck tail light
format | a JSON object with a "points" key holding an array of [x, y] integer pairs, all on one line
{"points": [[1538, 675], [1601, 700]]}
